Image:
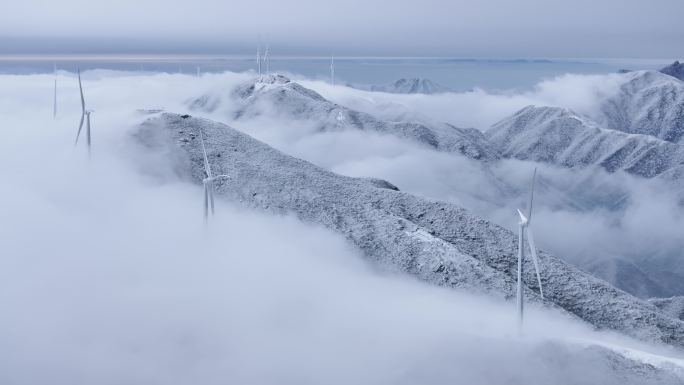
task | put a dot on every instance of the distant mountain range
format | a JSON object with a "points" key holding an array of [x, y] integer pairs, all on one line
{"points": [[411, 86]]}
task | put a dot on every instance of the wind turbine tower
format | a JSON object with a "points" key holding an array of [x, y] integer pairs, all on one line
{"points": [[267, 60], [525, 233], [85, 116], [208, 183], [258, 57], [332, 69]]}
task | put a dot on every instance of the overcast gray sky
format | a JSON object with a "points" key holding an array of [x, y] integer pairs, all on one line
{"points": [[460, 28]]}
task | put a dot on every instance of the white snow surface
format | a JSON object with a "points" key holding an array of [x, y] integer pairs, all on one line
{"points": [[649, 103]]}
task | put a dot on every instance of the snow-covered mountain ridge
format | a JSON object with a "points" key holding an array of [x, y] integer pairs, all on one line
{"points": [[561, 137], [439, 243], [281, 97], [649, 103]]}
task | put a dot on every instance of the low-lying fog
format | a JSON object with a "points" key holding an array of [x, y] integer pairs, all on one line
{"points": [[107, 275]]}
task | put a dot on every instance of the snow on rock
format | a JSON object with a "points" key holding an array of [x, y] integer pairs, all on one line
{"points": [[437, 242], [561, 137], [276, 94], [649, 103], [675, 70]]}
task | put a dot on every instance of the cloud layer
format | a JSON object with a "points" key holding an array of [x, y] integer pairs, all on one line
{"points": [[107, 275], [496, 28]]}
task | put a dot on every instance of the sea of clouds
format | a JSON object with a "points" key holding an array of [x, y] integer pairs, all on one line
{"points": [[108, 276]]}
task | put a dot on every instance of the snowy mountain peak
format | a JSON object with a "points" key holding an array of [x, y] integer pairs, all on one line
{"points": [[273, 79], [284, 98], [649, 103], [675, 69], [269, 84], [561, 137]]}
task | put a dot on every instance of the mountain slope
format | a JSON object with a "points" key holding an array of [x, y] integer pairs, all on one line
{"points": [[627, 276], [672, 306], [649, 103], [276, 94], [411, 86], [560, 137], [676, 70], [437, 242]]}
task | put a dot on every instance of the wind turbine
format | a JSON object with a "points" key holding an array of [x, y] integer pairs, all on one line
{"points": [[208, 183], [54, 99], [267, 60], [85, 115], [332, 69], [199, 72], [525, 231], [259, 56]]}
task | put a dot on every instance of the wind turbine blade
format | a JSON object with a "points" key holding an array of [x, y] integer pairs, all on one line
{"points": [[80, 88], [519, 292], [522, 216], [211, 197], [88, 129], [529, 207], [259, 56], [80, 126], [267, 59], [207, 169], [533, 249], [332, 69], [206, 203]]}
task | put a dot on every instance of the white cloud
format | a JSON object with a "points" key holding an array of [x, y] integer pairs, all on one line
{"points": [[496, 28], [107, 275]]}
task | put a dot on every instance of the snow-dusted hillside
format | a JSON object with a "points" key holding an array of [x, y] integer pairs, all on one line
{"points": [[411, 86], [559, 136], [649, 103], [276, 95], [437, 242]]}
